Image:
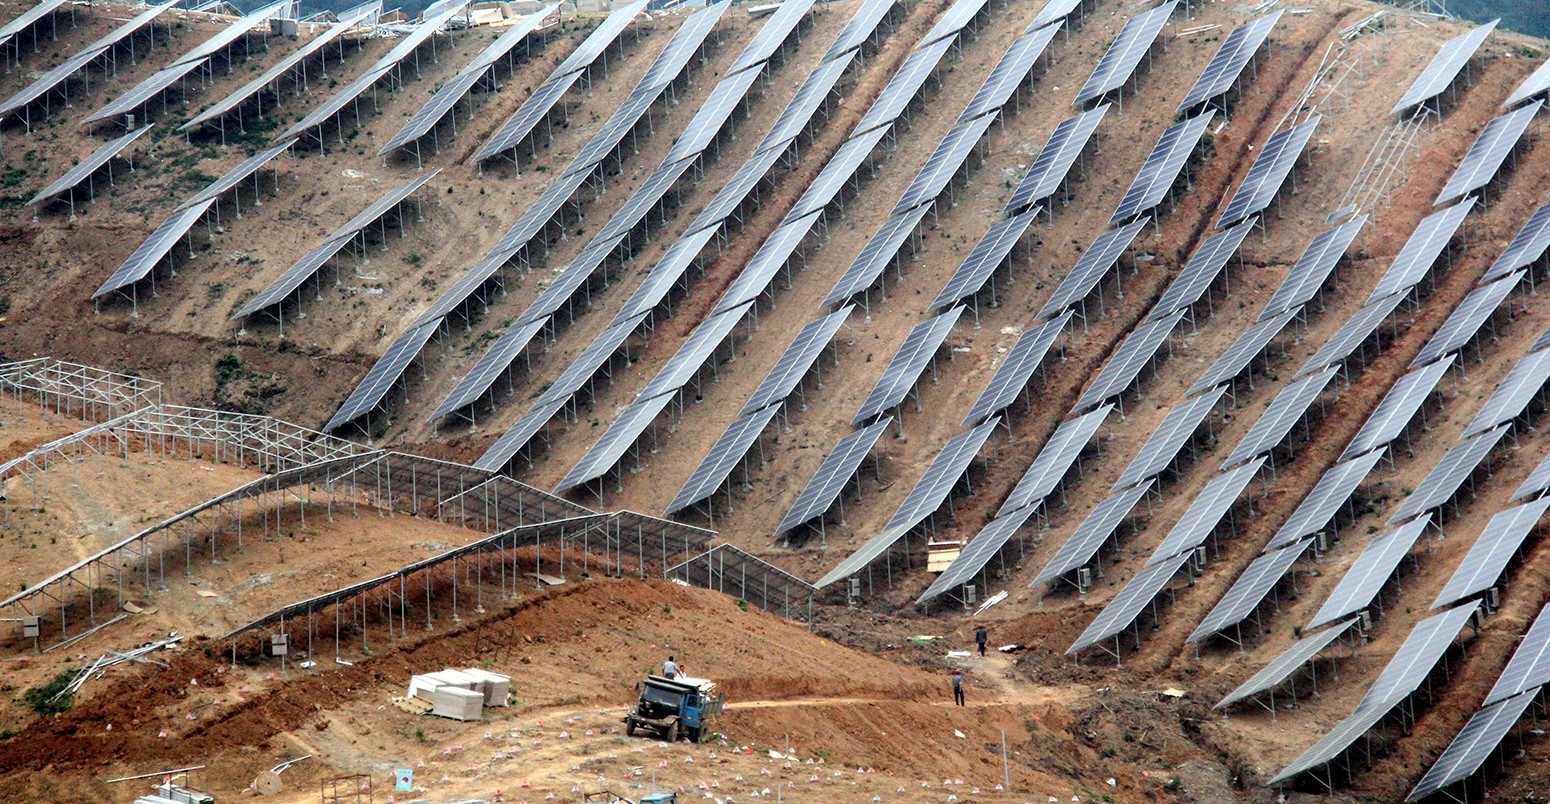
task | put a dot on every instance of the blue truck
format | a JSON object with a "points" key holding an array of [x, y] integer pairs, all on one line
{"points": [[673, 708]]}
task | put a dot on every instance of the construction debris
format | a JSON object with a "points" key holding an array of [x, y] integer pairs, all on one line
{"points": [[97, 668]]}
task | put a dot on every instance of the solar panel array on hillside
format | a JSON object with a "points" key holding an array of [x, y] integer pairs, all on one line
{"points": [[928, 494], [1127, 50], [283, 67], [1364, 579], [1206, 511], [56, 77], [1204, 266], [1313, 268], [728, 451], [1162, 167], [1452, 469], [1281, 667], [1466, 319], [983, 260], [1398, 407], [86, 167], [1489, 150], [686, 41], [453, 91], [904, 368], [187, 63], [1400, 677], [1091, 267], [833, 473], [1129, 602], [1526, 248], [1085, 541], [1235, 53], [1536, 83], [309, 264], [1054, 460], [1269, 171], [27, 19], [1444, 67], [1178, 425], [403, 49], [1249, 591], [1334, 488], [1284, 412], [1014, 372], [1053, 164], [1128, 360]]}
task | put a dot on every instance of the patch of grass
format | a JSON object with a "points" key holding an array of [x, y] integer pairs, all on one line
{"points": [[47, 699]]}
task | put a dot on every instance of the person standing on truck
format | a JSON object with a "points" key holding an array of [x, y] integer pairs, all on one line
{"points": [[980, 638], [958, 687], [670, 668]]}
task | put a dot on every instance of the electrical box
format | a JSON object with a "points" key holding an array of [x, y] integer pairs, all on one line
{"points": [[280, 645], [1084, 579], [30, 626]]}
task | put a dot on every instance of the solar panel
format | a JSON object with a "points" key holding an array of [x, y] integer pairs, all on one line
{"points": [[1014, 372], [1161, 168], [1163, 445], [1128, 361], [1053, 164], [1455, 466], [956, 19], [1269, 171], [527, 116], [1119, 63], [733, 193], [453, 91], [1335, 486], [903, 87], [69, 67], [1249, 590], [243, 170], [570, 278], [1082, 546], [1054, 11], [1422, 249], [944, 163], [796, 361], [1313, 268], [1128, 604], [1544, 341], [978, 552], [860, 28], [1488, 557], [1091, 267], [1444, 67], [767, 262], [1414, 660], [643, 200], [771, 35], [711, 117], [1332, 744], [1205, 512], [1284, 665], [863, 273], [1230, 59], [1469, 750], [1526, 248], [1360, 326], [832, 475], [982, 262], [185, 64], [1529, 667], [904, 368], [1360, 584], [1054, 460], [624, 431], [799, 112], [923, 500], [728, 451], [1486, 155], [691, 357], [1009, 73], [1466, 319], [75, 175], [28, 18], [665, 274], [380, 377], [680, 49], [142, 92], [601, 38], [1284, 412], [1512, 394], [1398, 407], [1201, 270], [1238, 356], [421, 33], [303, 269], [140, 263], [1536, 83], [835, 173], [489, 367], [282, 67]]}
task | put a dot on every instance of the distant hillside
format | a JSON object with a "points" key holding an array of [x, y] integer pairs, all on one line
{"points": [[1524, 16]]}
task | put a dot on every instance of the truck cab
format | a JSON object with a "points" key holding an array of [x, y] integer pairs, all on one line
{"points": [[675, 707]]}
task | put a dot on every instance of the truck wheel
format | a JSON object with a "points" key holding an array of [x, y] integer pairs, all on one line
{"points": [[695, 735], [629, 728], [672, 732]]}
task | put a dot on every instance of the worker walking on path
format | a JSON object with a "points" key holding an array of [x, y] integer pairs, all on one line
{"points": [[958, 687], [670, 668], [980, 638]]}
